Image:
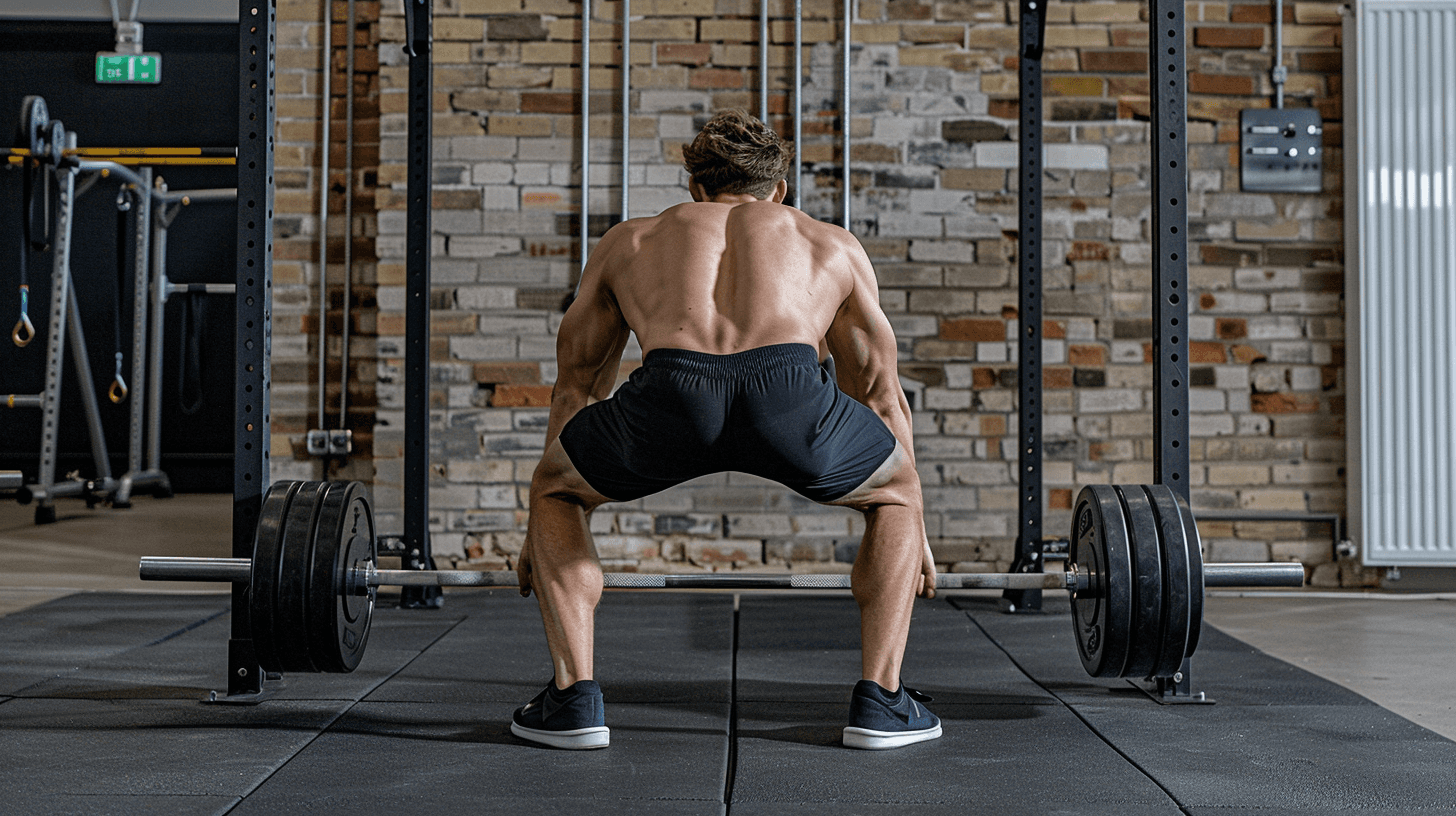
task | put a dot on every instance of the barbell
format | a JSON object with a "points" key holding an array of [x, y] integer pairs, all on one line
{"points": [[1135, 573]]}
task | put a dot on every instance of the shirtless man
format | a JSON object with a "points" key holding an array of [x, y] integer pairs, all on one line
{"points": [[734, 297]]}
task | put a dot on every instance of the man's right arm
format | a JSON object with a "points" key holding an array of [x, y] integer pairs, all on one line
{"points": [[865, 354]]}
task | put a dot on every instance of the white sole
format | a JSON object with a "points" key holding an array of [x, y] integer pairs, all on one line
{"points": [[869, 740], [597, 736]]}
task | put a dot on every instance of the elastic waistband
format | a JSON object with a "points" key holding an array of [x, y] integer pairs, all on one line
{"points": [[752, 361]]}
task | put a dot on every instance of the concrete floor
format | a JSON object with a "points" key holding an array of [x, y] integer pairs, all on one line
{"points": [[1392, 647]]}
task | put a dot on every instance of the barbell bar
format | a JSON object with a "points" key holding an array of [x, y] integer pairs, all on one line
{"points": [[239, 571]]}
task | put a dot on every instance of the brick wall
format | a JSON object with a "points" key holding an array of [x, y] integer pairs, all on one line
{"points": [[933, 125]]}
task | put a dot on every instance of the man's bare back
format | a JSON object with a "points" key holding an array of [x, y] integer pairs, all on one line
{"points": [[721, 278]]}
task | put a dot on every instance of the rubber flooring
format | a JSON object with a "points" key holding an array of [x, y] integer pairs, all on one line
{"points": [[717, 706]]}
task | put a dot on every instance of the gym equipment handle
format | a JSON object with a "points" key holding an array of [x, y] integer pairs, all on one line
{"points": [[239, 570]]}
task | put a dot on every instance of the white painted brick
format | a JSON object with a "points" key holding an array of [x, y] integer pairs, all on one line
{"points": [[908, 225], [499, 197], [943, 399], [1127, 351], [482, 148], [1206, 400], [480, 298], [1206, 425], [914, 325], [480, 246], [994, 352], [1237, 302], [1109, 399], [943, 251], [996, 154], [1076, 156], [491, 173], [1275, 327], [654, 101]]}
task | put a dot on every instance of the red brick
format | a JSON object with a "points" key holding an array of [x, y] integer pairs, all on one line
{"points": [[1228, 37], [1230, 328], [1056, 377], [1053, 330], [1089, 251], [710, 78], [979, 330], [1284, 403], [512, 373], [521, 396], [1087, 355], [993, 426], [684, 53], [983, 378], [1115, 62], [1205, 352], [1229, 84], [1059, 498], [1247, 354], [566, 103], [907, 10]]}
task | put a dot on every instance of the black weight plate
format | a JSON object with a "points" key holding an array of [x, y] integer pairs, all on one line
{"points": [[35, 123], [290, 632], [267, 563], [1148, 602], [1195, 576], [338, 619], [1176, 580], [1101, 614]]}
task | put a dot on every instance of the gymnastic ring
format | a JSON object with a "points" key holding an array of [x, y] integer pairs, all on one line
{"points": [[24, 331], [117, 393]]}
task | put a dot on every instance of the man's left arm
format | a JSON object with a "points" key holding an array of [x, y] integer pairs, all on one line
{"points": [[589, 342]]}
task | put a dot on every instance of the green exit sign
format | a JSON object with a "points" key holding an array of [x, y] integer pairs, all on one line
{"points": [[112, 67]]}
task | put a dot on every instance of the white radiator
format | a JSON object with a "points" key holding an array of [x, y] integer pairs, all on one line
{"points": [[1400, 228]]}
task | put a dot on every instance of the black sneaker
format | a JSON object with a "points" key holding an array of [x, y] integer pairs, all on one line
{"points": [[880, 719], [569, 718]]}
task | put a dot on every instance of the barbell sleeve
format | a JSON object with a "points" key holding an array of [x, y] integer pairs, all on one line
{"points": [[171, 568], [1286, 574]]}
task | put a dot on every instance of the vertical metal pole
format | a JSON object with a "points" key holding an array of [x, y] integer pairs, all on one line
{"points": [[798, 103], [417, 312], [1029, 329], [326, 91], [56, 340], [141, 232], [763, 60], [585, 126], [626, 102], [352, 34], [81, 359], [1168, 79], [251, 418], [160, 221], [845, 117]]}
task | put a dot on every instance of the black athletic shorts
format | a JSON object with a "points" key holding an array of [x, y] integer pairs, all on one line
{"points": [[770, 411]]}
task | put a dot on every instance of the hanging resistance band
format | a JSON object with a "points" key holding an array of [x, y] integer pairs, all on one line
{"points": [[24, 330], [118, 389]]}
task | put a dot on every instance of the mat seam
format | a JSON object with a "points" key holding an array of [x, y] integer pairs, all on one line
{"points": [[1075, 713], [243, 797], [731, 774]]}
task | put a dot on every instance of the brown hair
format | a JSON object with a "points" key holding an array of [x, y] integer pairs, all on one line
{"points": [[737, 153]]}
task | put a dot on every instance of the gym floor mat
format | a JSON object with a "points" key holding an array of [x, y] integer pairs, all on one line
{"points": [[715, 708]]}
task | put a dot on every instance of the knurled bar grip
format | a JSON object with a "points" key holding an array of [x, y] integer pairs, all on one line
{"points": [[238, 570]]}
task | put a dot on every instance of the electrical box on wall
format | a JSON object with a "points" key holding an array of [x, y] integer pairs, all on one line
{"points": [[1281, 150]]}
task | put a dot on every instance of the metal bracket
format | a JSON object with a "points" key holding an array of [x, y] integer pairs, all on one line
{"points": [[330, 443], [1033, 13]]}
